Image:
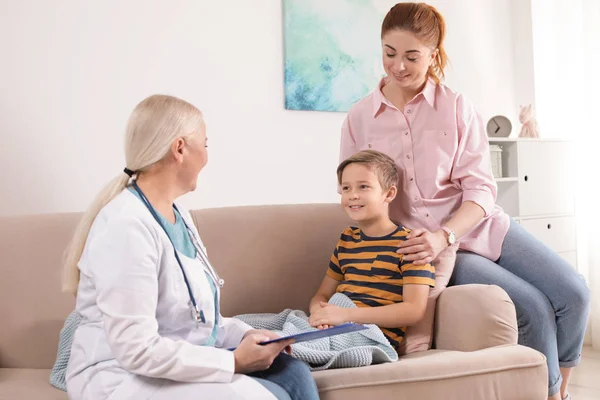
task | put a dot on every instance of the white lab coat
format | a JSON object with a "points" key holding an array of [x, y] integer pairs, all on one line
{"points": [[137, 338]]}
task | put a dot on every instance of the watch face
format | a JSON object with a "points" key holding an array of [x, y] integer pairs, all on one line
{"points": [[451, 238], [499, 126]]}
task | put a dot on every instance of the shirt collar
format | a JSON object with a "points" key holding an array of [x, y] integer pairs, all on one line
{"points": [[429, 92], [379, 99]]}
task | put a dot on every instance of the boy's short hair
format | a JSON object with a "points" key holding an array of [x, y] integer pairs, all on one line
{"points": [[381, 164]]}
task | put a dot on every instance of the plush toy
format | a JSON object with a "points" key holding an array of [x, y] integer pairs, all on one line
{"points": [[530, 126]]}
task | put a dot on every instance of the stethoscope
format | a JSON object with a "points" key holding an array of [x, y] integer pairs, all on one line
{"points": [[197, 313]]}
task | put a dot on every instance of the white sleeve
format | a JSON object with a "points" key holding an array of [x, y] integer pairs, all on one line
{"points": [[232, 330], [124, 261]]}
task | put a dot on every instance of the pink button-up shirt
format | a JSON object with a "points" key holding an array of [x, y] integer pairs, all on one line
{"points": [[442, 152]]}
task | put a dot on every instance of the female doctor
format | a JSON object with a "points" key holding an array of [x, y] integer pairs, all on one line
{"points": [[146, 291]]}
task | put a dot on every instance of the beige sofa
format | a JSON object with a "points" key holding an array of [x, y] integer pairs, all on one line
{"points": [[271, 257]]}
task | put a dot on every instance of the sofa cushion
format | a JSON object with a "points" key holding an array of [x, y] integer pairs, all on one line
{"points": [[474, 317], [419, 337], [32, 250], [27, 384], [503, 372]]}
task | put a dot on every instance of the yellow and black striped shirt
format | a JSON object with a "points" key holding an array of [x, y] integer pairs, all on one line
{"points": [[372, 274]]}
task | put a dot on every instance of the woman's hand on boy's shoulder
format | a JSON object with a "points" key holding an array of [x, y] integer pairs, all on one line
{"points": [[422, 247]]}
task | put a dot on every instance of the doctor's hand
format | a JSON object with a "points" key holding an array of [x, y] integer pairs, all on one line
{"points": [[271, 335], [250, 356]]}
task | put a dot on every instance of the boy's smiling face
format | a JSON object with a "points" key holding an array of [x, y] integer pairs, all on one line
{"points": [[363, 198]]}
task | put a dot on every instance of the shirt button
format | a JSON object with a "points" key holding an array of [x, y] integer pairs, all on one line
{"points": [[412, 179], [406, 133], [416, 198], [427, 215], [409, 111], [408, 156], [369, 145]]}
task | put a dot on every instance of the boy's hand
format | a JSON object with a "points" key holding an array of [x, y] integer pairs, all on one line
{"points": [[328, 315], [326, 290], [314, 309]]}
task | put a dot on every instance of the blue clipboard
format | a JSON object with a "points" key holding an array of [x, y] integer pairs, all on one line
{"points": [[318, 334]]}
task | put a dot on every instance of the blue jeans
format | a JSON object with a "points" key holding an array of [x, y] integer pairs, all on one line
{"points": [[288, 379], [551, 298]]}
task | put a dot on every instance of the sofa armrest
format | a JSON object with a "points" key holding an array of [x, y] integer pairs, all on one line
{"points": [[474, 317]]}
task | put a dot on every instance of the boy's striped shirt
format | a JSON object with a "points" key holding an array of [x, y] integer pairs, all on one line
{"points": [[372, 273]]}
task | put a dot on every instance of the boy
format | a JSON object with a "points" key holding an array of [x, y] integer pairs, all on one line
{"points": [[388, 291]]}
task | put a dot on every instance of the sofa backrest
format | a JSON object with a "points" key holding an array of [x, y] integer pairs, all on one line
{"points": [[271, 257], [32, 307]]}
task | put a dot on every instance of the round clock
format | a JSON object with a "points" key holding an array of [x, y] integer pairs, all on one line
{"points": [[499, 126]]}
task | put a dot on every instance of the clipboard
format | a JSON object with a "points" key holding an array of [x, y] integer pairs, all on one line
{"points": [[318, 334]]}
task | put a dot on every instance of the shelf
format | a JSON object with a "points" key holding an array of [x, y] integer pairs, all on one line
{"points": [[542, 216], [518, 139], [529, 217], [509, 179]]}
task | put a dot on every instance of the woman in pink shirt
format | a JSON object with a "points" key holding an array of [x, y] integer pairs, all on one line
{"points": [[447, 191]]}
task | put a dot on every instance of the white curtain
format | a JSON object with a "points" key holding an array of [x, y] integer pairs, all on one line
{"points": [[566, 47]]}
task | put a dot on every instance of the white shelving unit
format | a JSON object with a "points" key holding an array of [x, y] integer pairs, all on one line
{"points": [[537, 188], [508, 179]]}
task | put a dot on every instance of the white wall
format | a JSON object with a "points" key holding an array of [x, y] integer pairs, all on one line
{"points": [[523, 55], [558, 68], [567, 54], [71, 72]]}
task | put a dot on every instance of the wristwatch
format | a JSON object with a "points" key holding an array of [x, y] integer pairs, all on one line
{"points": [[451, 236]]}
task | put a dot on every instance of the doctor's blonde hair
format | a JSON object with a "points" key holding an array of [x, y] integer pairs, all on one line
{"points": [[152, 128]]}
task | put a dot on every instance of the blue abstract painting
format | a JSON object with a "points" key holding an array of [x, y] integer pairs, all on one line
{"points": [[332, 52]]}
